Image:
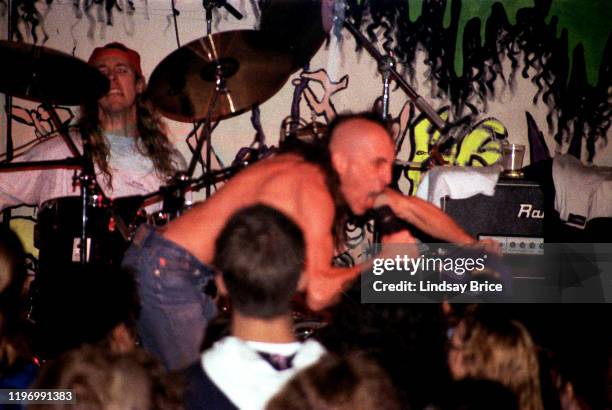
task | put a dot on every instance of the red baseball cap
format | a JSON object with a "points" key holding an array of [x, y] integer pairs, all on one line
{"points": [[116, 49]]}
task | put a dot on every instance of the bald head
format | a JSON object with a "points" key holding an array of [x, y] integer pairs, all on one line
{"points": [[354, 134], [362, 153]]}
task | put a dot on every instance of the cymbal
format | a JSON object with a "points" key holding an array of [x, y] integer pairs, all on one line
{"points": [[46, 75], [183, 85], [298, 26]]}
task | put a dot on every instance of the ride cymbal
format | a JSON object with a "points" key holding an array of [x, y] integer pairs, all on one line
{"points": [[45, 75], [218, 76]]}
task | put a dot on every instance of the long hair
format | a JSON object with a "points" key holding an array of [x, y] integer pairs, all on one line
{"points": [[317, 152], [503, 351], [151, 141]]}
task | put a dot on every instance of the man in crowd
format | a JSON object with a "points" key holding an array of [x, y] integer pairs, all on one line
{"points": [[259, 257], [352, 173]]}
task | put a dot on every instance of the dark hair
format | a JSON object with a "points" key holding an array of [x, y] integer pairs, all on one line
{"points": [[12, 263], [335, 382], [407, 340], [317, 152], [14, 338], [477, 394], [83, 305], [260, 253]]}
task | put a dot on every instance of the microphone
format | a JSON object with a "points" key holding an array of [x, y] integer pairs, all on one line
{"points": [[385, 222]]}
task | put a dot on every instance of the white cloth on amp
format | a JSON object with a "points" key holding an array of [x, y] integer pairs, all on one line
{"points": [[457, 182]]}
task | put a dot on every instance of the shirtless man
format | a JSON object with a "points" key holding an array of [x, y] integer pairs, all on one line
{"points": [[174, 265]]}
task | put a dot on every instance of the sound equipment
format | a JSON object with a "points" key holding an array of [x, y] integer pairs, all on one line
{"points": [[514, 216]]}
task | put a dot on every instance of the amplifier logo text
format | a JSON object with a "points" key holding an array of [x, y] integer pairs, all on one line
{"points": [[527, 211]]}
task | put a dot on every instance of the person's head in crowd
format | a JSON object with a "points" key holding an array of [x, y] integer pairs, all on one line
{"points": [[90, 304], [477, 394], [101, 379], [15, 349], [12, 265], [407, 341], [352, 382], [260, 257], [493, 348], [124, 110]]}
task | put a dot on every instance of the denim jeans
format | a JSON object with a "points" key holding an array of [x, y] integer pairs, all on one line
{"points": [[175, 309]]}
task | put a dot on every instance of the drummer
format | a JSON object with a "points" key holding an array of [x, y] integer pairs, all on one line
{"points": [[131, 153], [315, 189]]}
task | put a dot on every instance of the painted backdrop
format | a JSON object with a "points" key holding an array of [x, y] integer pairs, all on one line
{"points": [[524, 71]]}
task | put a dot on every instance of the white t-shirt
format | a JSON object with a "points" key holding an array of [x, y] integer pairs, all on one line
{"points": [[133, 173]]}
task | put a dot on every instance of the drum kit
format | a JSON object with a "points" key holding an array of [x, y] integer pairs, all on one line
{"points": [[209, 79]]}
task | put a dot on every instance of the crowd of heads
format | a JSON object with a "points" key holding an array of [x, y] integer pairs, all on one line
{"points": [[381, 356]]}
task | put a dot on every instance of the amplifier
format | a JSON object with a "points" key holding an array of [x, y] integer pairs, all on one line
{"points": [[514, 216]]}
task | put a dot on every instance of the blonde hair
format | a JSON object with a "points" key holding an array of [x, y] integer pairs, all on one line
{"points": [[503, 351]]}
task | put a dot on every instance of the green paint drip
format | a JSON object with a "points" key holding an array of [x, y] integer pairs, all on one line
{"points": [[588, 22]]}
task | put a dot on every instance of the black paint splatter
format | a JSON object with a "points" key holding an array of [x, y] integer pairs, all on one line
{"points": [[577, 110]]}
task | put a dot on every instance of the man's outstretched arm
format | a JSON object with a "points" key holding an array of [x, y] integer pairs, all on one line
{"points": [[430, 219]]}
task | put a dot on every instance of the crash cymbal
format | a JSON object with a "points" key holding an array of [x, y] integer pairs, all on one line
{"points": [[183, 85], [45, 75], [296, 26]]}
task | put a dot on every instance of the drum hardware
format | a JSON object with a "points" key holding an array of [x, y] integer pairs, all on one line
{"points": [[213, 78], [412, 166], [51, 77], [303, 132], [173, 194], [194, 184], [184, 84], [386, 67], [209, 5]]}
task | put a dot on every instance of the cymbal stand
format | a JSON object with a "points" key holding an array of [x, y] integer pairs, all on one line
{"points": [[8, 106], [389, 70], [210, 5], [91, 195], [384, 67], [220, 88]]}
